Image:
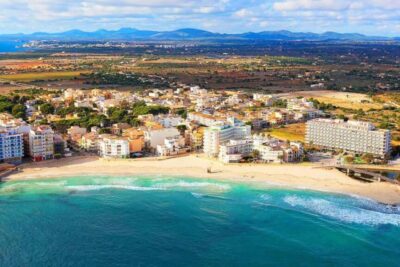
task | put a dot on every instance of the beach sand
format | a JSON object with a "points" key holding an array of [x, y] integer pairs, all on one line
{"points": [[296, 176]]}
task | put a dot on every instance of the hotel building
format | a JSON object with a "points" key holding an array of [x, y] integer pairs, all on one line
{"points": [[41, 143], [217, 135], [11, 145], [352, 136]]}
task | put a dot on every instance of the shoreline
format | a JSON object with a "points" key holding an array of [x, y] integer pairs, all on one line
{"points": [[291, 176]]}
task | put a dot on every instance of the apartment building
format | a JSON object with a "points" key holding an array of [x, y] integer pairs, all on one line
{"points": [[268, 100], [168, 121], [11, 145], [235, 150], [111, 146], [89, 142], [217, 135], [41, 143], [353, 136], [196, 138], [118, 128], [135, 138], [8, 121], [172, 146], [273, 150], [75, 134], [155, 137], [205, 119]]}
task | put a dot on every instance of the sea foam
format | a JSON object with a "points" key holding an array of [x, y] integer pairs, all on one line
{"points": [[348, 214], [109, 186], [185, 184]]}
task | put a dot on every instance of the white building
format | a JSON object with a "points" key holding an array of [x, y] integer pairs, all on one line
{"points": [[352, 136], [205, 119], [113, 147], [268, 100], [268, 149], [172, 146], [235, 150], [299, 104], [217, 135], [155, 137], [293, 152], [9, 122], [273, 150], [168, 121]]}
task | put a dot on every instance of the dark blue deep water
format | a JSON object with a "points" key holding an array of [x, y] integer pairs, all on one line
{"points": [[132, 221], [10, 46]]}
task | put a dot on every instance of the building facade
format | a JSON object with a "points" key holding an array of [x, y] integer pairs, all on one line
{"points": [[113, 147], [155, 137], [172, 146], [11, 145], [135, 138], [352, 136], [218, 135], [235, 150], [41, 143]]}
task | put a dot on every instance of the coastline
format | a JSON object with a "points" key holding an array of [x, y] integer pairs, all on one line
{"points": [[292, 176]]}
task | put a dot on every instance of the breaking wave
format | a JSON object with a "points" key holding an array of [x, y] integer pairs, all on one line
{"points": [[186, 184], [374, 215], [99, 183], [109, 186]]}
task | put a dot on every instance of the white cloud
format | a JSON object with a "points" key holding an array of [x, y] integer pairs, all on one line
{"points": [[365, 16], [243, 13]]}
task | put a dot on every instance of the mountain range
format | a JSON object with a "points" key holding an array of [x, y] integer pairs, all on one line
{"points": [[130, 34]]}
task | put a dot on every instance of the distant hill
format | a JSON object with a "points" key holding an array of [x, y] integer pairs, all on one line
{"points": [[129, 34]]}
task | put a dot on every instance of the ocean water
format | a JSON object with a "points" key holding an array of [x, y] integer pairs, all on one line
{"points": [[11, 46], [176, 221]]}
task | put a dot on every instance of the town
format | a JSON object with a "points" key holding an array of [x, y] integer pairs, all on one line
{"points": [[229, 126]]}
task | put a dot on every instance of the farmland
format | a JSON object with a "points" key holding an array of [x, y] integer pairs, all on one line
{"points": [[36, 76]]}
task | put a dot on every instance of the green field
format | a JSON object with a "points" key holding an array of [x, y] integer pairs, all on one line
{"points": [[33, 76]]}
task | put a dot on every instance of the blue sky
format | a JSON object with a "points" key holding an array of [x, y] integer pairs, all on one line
{"points": [[373, 17]]}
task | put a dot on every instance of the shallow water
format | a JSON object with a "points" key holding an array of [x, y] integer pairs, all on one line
{"points": [[165, 221]]}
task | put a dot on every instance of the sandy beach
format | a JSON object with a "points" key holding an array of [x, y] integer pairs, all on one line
{"points": [[288, 176]]}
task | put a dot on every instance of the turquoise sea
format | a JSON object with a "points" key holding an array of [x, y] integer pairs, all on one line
{"points": [[176, 221]]}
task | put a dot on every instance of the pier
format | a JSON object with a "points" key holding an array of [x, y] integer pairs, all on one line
{"points": [[362, 174]]}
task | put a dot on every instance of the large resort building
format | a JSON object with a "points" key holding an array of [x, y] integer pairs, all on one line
{"points": [[352, 136]]}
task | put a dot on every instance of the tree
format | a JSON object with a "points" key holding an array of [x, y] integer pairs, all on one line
{"points": [[135, 122], [181, 128], [182, 112], [46, 108], [348, 159], [367, 157], [280, 103], [255, 154], [5, 106], [18, 111]]}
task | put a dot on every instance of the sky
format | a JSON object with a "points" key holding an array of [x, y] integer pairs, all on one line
{"points": [[372, 17]]}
